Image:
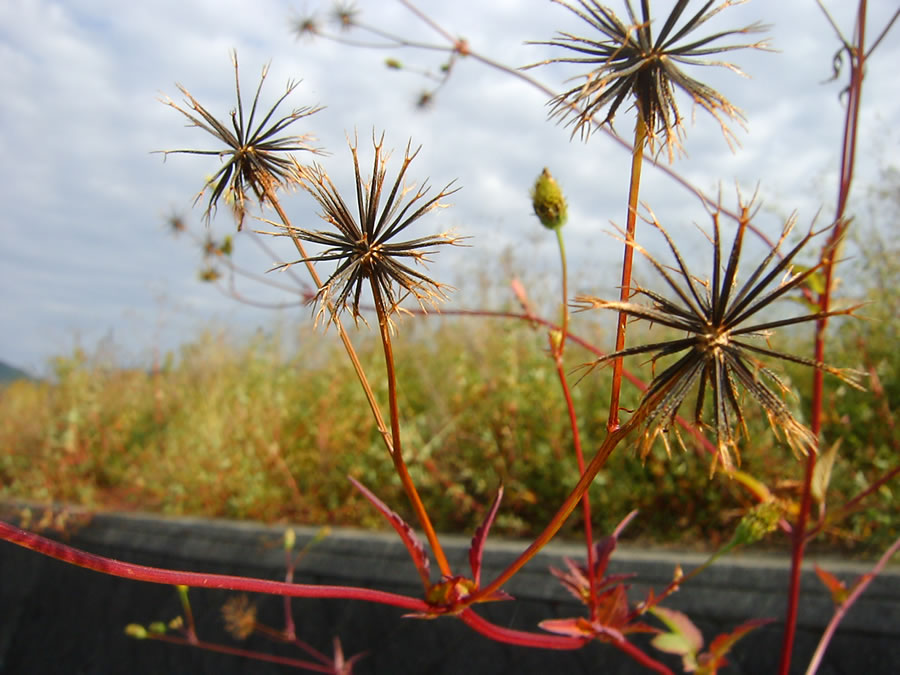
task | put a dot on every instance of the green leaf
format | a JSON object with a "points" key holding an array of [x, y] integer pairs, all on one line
{"points": [[684, 638], [814, 282]]}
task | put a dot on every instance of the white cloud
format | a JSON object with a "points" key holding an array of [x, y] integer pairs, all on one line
{"points": [[85, 248]]}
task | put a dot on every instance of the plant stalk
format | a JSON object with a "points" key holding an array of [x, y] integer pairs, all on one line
{"points": [[848, 156], [557, 345], [345, 339], [397, 449], [609, 444], [637, 156]]}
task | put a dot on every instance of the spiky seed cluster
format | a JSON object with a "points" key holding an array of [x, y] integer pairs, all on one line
{"points": [[256, 159], [363, 245], [718, 318], [629, 63], [548, 201]]}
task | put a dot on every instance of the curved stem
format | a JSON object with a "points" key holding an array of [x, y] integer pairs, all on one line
{"points": [[397, 449], [155, 575], [861, 584], [521, 638], [637, 155]]}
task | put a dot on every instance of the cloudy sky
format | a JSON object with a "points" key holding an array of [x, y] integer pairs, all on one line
{"points": [[86, 253]]}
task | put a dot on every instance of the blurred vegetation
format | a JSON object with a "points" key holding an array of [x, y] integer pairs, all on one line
{"points": [[249, 430], [258, 430]]}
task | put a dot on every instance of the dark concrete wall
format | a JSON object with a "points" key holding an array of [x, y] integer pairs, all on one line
{"points": [[56, 618]]}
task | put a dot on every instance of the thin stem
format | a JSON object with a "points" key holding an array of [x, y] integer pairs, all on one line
{"points": [[544, 641], [854, 503], [397, 449], [117, 568], [345, 339], [613, 438], [245, 653], [191, 630], [848, 156], [585, 500], [861, 584], [512, 636], [290, 630], [564, 271], [557, 344], [279, 636], [637, 155]]}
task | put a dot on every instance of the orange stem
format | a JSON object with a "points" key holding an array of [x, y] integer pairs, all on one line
{"points": [[637, 155]]}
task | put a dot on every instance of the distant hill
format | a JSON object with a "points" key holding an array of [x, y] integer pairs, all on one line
{"points": [[9, 373]]}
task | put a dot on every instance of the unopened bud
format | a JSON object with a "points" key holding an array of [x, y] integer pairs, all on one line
{"points": [[136, 631], [757, 523], [548, 201]]}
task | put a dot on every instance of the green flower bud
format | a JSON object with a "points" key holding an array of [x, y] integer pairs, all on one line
{"points": [[136, 631], [757, 523], [548, 201], [290, 539]]}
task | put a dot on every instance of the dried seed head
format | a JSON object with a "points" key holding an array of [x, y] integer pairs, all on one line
{"points": [[257, 159], [364, 247], [630, 63], [719, 320]]}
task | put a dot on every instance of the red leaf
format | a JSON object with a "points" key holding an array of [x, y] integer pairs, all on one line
{"points": [[477, 548], [580, 627], [413, 545], [715, 657], [835, 586]]}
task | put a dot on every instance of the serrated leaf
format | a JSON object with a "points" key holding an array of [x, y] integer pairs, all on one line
{"points": [[684, 637], [410, 540], [711, 661]]}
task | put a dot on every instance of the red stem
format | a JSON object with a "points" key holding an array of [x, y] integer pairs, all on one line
{"points": [[156, 575], [525, 639], [246, 653], [640, 136], [585, 500], [861, 584], [521, 638], [848, 156]]}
